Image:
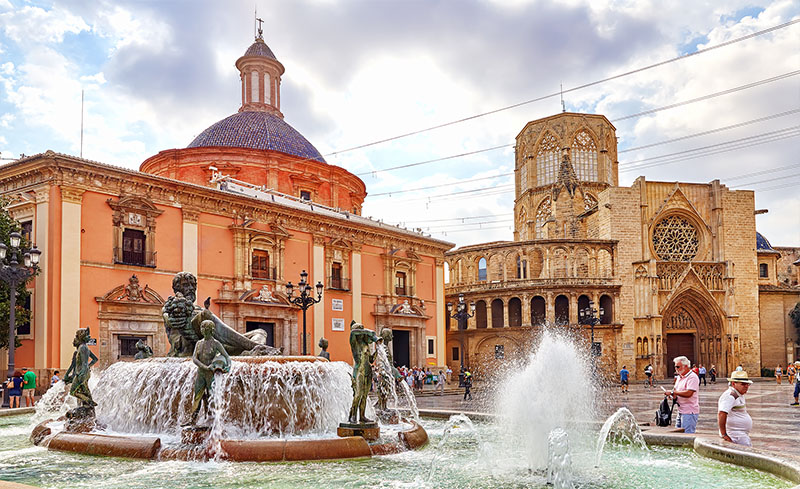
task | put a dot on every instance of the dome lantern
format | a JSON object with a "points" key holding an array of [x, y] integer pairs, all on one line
{"points": [[260, 73]]}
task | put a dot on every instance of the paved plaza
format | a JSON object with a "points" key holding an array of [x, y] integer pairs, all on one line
{"points": [[776, 424]]}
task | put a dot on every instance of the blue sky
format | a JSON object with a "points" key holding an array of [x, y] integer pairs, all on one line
{"points": [[155, 74]]}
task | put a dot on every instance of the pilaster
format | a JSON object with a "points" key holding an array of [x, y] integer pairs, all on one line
{"points": [[70, 313]]}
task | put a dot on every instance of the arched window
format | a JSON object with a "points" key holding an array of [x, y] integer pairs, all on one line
{"points": [[562, 310], [584, 157], [538, 312], [522, 268], [480, 314], [514, 312], [583, 303], [497, 313], [589, 201], [523, 176], [542, 215], [547, 160], [482, 270]]}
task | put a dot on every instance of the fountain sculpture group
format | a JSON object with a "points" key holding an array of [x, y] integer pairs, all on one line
{"points": [[238, 399]]}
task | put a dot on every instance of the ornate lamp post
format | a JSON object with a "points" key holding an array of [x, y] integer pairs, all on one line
{"points": [[589, 316], [305, 299], [461, 315], [13, 273]]}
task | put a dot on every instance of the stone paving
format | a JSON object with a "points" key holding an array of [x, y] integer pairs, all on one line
{"points": [[776, 424]]}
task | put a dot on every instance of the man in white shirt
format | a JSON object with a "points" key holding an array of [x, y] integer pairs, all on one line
{"points": [[734, 422]]}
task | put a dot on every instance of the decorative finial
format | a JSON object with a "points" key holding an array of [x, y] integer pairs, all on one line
{"points": [[563, 106], [260, 31]]}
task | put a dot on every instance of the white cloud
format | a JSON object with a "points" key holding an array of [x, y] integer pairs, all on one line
{"points": [[35, 24]]}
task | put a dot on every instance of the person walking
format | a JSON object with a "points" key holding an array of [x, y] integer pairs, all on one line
{"points": [[796, 380], [713, 373], [790, 373], [686, 388], [648, 372], [467, 385], [778, 374], [441, 380], [449, 373], [732, 419], [14, 386], [29, 386], [623, 379], [702, 374]]}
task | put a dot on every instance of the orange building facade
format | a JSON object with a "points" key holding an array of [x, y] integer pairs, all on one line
{"points": [[246, 207]]}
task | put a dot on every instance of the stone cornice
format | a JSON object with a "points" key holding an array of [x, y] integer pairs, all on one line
{"points": [[541, 243], [89, 175], [73, 195]]}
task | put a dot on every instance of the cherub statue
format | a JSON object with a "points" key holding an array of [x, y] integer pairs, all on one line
{"points": [[79, 370], [178, 312], [210, 357], [144, 350], [360, 340]]}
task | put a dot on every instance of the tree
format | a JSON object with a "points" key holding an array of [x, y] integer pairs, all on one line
{"points": [[23, 315]]}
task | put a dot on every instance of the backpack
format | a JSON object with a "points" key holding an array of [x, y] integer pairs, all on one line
{"points": [[664, 413]]}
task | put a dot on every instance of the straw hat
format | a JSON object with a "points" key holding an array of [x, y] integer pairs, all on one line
{"points": [[740, 376], [797, 363]]}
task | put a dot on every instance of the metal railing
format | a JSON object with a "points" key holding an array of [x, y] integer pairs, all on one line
{"points": [[140, 259], [338, 283], [265, 273]]}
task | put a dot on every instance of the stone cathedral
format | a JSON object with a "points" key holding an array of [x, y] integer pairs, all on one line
{"points": [[662, 269]]}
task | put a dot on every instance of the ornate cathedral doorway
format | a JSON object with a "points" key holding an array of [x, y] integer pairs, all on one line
{"points": [[692, 327]]}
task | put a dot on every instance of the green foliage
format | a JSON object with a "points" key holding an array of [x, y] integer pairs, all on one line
{"points": [[794, 315], [23, 316]]}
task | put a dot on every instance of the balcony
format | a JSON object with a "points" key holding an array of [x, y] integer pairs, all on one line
{"points": [[265, 273], [338, 283], [135, 258]]}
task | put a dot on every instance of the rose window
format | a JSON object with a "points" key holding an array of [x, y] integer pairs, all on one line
{"points": [[675, 239]]}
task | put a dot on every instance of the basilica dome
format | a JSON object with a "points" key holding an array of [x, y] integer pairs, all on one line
{"points": [[257, 130]]}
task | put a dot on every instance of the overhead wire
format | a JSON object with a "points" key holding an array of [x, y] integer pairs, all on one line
{"points": [[569, 90]]}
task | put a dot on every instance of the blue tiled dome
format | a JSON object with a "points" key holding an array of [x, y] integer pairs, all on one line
{"points": [[260, 48], [257, 130], [762, 243]]}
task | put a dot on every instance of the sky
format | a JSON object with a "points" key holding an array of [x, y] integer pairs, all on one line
{"points": [[156, 73]]}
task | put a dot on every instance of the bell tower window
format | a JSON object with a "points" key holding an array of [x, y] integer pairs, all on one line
{"points": [[254, 86]]}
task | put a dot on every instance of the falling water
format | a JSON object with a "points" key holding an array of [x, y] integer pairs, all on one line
{"points": [[622, 427], [253, 399], [405, 401], [559, 460], [54, 403], [554, 390], [456, 421]]}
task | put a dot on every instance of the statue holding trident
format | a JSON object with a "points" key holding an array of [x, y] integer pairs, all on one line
{"points": [[210, 357]]}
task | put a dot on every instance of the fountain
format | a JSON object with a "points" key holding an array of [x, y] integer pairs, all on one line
{"points": [[284, 409]]}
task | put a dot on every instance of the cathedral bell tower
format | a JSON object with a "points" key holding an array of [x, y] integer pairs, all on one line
{"points": [[260, 72]]}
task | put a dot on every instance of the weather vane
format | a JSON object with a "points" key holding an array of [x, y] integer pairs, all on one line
{"points": [[260, 31]]}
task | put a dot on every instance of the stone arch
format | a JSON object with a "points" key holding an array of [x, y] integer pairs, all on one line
{"points": [[535, 262], [480, 314], [559, 263], [538, 310], [605, 264], [495, 272], [543, 213], [562, 310], [584, 155], [514, 312], [693, 325], [498, 316], [583, 303], [582, 262], [671, 227], [607, 305]]}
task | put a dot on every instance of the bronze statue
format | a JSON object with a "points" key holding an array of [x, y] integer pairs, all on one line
{"points": [[210, 357], [360, 340], [144, 350], [182, 319], [79, 371], [323, 343]]}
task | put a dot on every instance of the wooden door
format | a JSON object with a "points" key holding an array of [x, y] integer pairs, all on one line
{"points": [[679, 344]]}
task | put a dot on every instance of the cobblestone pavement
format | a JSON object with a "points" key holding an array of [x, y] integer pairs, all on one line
{"points": [[776, 425]]}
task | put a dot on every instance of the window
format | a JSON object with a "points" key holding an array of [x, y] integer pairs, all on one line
{"points": [[431, 347], [133, 249], [23, 324], [763, 271], [336, 275], [482, 270], [400, 283], [547, 160], [254, 86], [127, 345], [259, 265], [27, 229], [305, 195], [523, 177], [542, 215], [522, 268], [675, 239], [584, 157], [456, 355]]}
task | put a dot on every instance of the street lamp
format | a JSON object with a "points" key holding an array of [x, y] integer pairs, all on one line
{"points": [[589, 316], [461, 315], [13, 273], [305, 299]]}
